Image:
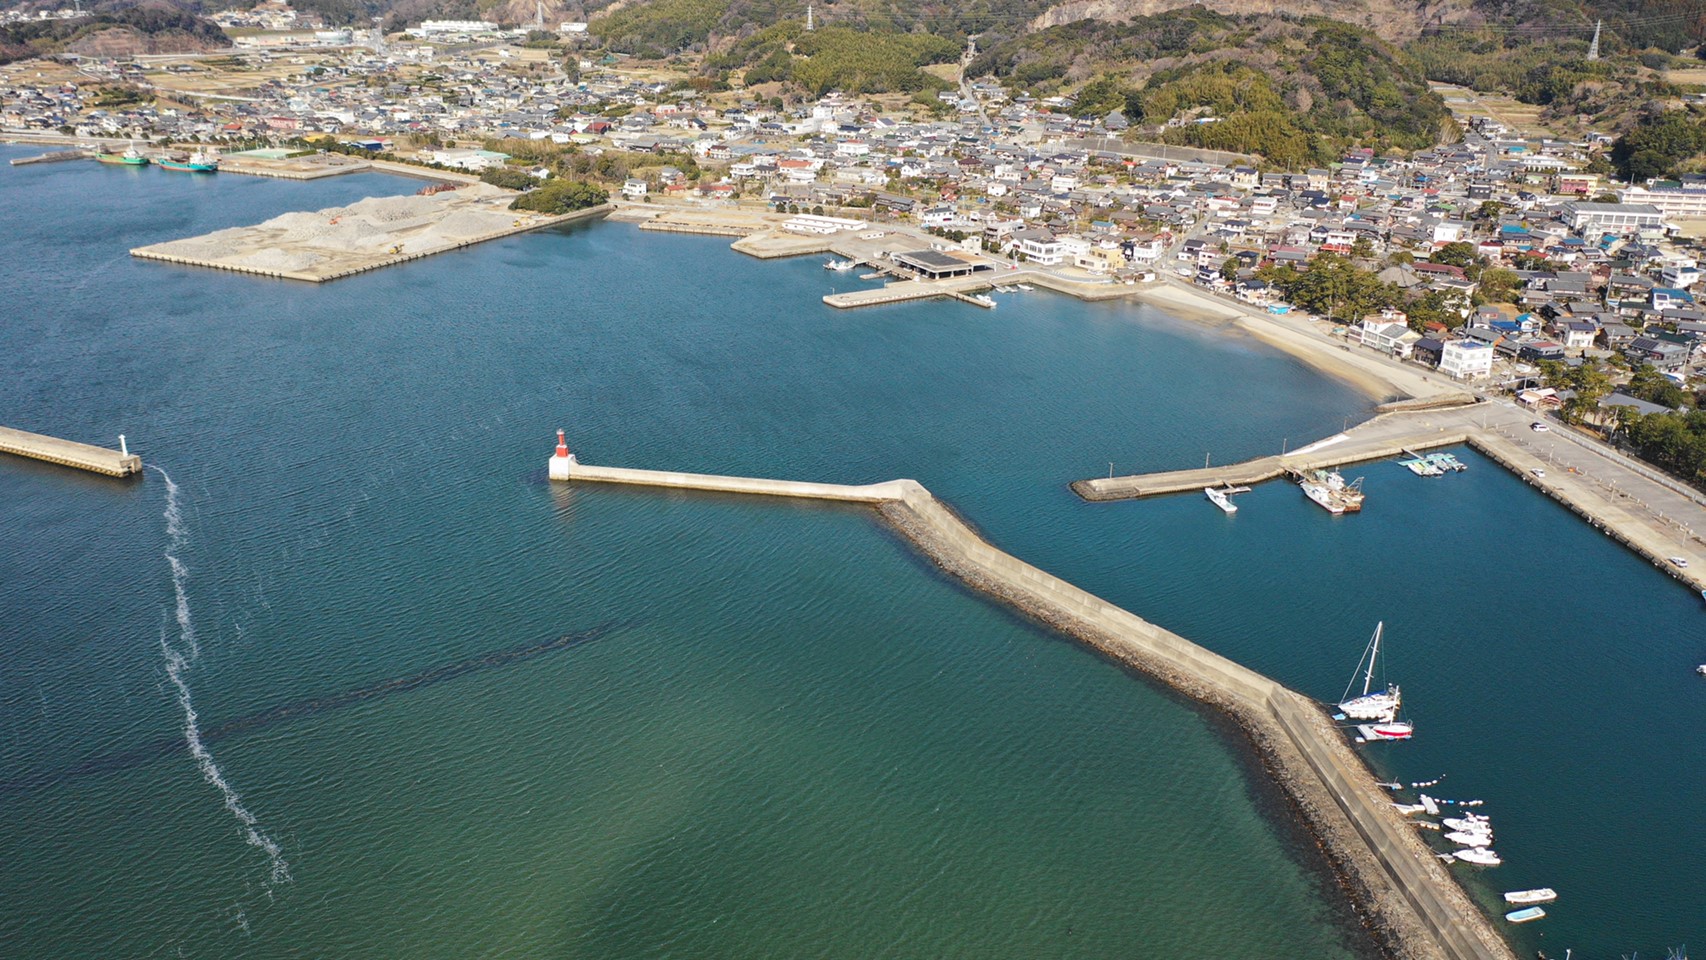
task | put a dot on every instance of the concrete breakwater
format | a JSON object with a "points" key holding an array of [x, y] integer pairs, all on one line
{"points": [[69, 453], [1405, 894]]}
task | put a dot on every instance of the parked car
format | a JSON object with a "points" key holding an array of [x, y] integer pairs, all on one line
{"points": [[1678, 563], [1538, 473], [1538, 427]]}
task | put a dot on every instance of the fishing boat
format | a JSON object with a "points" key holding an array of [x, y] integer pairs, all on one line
{"points": [[1330, 491], [1380, 705], [1469, 822], [1470, 838], [1220, 499], [1525, 914], [983, 300], [840, 266], [1480, 856], [1537, 895], [130, 158], [1025, 286], [198, 162], [1320, 495]]}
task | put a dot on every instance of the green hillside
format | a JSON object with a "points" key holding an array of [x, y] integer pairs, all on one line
{"points": [[1294, 91]]}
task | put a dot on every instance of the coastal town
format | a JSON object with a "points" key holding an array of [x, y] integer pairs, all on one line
{"points": [[1501, 293], [1484, 258]]}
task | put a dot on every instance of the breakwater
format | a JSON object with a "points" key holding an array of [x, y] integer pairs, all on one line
{"points": [[1406, 895], [68, 453]]}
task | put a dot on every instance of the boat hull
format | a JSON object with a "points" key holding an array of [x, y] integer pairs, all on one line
{"points": [[1525, 915], [1542, 895], [189, 167], [121, 160]]}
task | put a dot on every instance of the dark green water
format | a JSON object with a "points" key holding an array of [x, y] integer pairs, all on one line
{"points": [[480, 715]]}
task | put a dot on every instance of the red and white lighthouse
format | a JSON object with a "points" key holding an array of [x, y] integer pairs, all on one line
{"points": [[561, 461]]}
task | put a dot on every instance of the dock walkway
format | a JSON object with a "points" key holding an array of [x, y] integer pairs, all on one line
{"points": [[69, 453], [1413, 893]]}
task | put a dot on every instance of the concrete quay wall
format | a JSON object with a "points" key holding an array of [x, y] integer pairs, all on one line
{"points": [[1625, 526], [69, 453]]}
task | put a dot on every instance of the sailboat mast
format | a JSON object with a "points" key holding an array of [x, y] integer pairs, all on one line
{"points": [[1373, 655]]}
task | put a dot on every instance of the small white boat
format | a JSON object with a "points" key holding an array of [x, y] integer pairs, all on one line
{"points": [[1385, 731], [1025, 286], [1525, 914], [1409, 809], [1220, 499], [983, 300], [1470, 838], [840, 266], [1701, 669], [1480, 856], [1538, 895], [1469, 822]]}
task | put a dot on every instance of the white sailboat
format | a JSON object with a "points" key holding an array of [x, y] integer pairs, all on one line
{"points": [[1381, 705]]}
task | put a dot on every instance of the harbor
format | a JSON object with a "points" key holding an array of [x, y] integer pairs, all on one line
{"points": [[1421, 908], [69, 453], [1633, 504]]}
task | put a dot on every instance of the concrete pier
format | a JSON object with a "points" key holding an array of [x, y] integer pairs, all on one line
{"points": [[58, 156], [1633, 504], [587, 473], [1418, 908], [68, 453]]}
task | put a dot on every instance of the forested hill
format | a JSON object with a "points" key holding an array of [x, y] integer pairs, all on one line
{"points": [[1295, 91], [134, 29]]}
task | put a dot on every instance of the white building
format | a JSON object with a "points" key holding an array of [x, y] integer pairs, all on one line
{"points": [[1611, 217], [1676, 202], [633, 189], [1396, 339], [822, 226], [1466, 359]]}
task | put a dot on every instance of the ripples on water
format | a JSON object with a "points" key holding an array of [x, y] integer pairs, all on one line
{"points": [[793, 738]]}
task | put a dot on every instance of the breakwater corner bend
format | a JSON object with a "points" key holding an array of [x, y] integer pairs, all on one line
{"points": [[1410, 902]]}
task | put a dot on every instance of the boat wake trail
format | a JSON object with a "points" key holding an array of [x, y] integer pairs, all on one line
{"points": [[179, 658]]}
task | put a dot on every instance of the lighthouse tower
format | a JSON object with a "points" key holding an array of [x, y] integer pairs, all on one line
{"points": [[561, 461]]}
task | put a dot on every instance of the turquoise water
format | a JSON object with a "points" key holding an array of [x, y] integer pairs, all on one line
{"points": [[479, 714], [451, 710]]}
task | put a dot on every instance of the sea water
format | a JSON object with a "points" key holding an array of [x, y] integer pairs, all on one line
{"points": [[448, 708]]}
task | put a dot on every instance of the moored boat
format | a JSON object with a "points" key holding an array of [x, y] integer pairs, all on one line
{"points": [[1470, 838], [983, 300], [129, 158], [1537, 895], [198, 162], [1525, 914], [1480, 856], [1385, 731], [840, 266], [1220, 499], [1381, 705]]}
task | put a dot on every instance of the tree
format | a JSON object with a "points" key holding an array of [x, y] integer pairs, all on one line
{"points": [[557, 197], [1229, 269], [1363, 248], [1498, 285], [1459, 254], [1489, 210]]}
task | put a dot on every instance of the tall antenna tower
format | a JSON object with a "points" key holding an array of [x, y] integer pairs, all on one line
{"points": [[810, 25], [1593, 48]]}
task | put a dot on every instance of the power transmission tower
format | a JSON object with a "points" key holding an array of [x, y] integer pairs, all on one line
{"points": [[810, 25], [1593, 48]]}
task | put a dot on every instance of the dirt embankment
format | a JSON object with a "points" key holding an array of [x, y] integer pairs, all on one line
{"points": [[128, 42]]}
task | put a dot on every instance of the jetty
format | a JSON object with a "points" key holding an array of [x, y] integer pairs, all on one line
{"points": [[57, 156], [69, 453], [1420, 909], [1632, 503]]}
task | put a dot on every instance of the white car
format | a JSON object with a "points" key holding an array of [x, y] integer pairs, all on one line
{"points": [[1538, 427], [1538, 473], [1678, 563]]}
